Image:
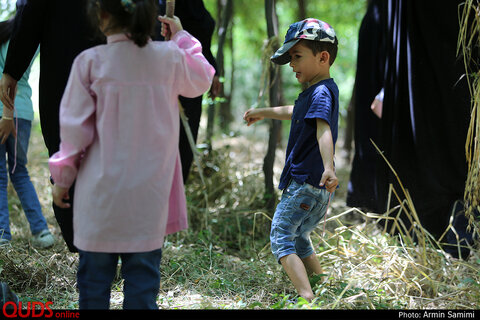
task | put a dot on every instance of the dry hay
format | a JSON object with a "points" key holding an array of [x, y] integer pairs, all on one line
{"points": [[367, 265], [468, 46], [38, 274], [376, 265]]}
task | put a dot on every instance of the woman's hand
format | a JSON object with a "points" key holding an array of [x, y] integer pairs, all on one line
{"points": [[7, 127], [8, 89]]}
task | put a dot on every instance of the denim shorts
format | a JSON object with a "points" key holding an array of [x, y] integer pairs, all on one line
{"points": [[299, 212]]}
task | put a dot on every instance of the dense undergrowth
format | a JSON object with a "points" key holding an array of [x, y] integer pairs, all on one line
{"points": [[223, 260]]}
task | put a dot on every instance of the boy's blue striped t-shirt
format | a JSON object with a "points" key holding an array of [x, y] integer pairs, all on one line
{"points": [[303, 160]]}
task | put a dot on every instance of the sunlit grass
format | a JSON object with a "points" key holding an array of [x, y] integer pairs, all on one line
{"points": [[224, 262]]}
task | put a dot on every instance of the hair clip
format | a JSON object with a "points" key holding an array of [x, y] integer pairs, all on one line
{"points": [[128, 5]]}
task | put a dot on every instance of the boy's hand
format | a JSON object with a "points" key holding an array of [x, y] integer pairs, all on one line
{"points": [[170, 26], [59, 194], [329, 180], [252, 116]]}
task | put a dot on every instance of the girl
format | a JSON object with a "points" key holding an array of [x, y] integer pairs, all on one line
{"points": [[119, 127], [14, 138]]}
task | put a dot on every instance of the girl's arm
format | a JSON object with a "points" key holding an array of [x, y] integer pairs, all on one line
{"points": [[77, 124], [325, 143], [195, 73], [277, 113]]}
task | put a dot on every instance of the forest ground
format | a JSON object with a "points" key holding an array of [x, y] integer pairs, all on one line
{"points": [[223, 261]]}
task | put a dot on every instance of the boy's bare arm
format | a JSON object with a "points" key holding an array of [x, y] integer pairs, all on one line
{"points": [[325, 143], [278, 113]]}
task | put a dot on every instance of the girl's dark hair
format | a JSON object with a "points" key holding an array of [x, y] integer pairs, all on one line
{"points": [[6, 28], [135, 17]]}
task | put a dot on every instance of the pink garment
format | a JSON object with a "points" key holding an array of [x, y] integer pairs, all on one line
{"points": [[119, 128]]}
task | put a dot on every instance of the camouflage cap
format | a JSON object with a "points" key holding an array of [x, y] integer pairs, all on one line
{"points": [[309, 29]]}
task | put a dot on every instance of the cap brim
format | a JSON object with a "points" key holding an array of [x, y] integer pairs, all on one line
{"points": [[281, 56]]}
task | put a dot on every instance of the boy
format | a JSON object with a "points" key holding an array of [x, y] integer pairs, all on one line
{"points": [[308, 179]]}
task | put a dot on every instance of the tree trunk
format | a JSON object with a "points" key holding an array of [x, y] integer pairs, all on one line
{"points": [[302, 9], [225, 111], [302, 14], [349, 128], [275, 125], [225, 11]]}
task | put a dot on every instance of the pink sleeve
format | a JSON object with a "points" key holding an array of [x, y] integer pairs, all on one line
{"points": [[77, 124], [196, 73]]}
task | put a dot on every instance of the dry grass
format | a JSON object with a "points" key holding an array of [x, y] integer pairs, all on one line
{"points": [[468, 46], [224, 262]]}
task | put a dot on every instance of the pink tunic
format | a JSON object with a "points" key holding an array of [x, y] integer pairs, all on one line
{"points": [[119, 128]]}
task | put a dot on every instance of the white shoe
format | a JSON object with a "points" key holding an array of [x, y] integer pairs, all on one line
{"points": [[43, 239]]}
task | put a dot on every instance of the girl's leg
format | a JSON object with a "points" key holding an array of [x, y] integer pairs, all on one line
{"points": [[21, 180], [4, 214], [96, 271], [141, 274]]}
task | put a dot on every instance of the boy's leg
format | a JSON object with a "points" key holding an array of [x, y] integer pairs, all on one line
{"points": [[312, 265], [141, 274], [295, 269], [287, 223], [303, 243]]}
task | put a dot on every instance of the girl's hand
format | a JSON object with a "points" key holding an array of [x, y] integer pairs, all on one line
{"points": [[251, 116], [59, 194], [170, 26]]}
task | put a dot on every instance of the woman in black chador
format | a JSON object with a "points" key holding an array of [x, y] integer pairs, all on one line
{"points": [[426, 110], [62, 30]]}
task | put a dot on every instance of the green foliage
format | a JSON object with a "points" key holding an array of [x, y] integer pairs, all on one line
{"points": [[249, 36], [7, 7], [345, 16]]}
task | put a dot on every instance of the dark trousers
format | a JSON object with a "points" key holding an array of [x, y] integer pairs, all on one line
{"points": [[193, 111], [140, 271], [64, 219]]}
